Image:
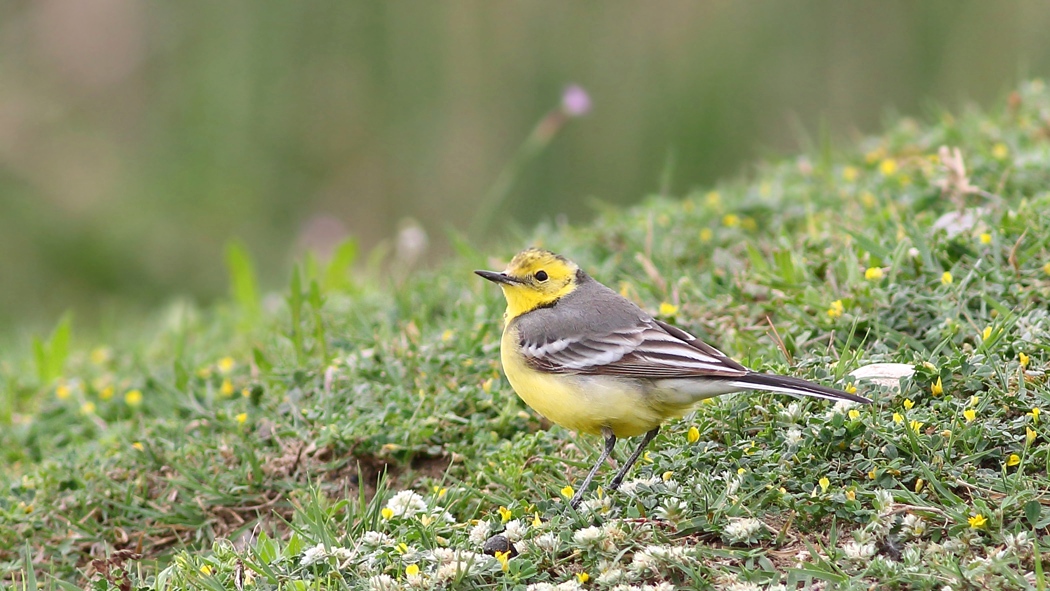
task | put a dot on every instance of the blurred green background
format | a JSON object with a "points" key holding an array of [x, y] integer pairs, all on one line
{"points": [[137, 138]]}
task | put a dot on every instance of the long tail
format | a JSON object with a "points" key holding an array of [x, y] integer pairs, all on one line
{"points": [[794, 387]]}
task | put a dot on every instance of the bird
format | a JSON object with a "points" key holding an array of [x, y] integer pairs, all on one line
{"points": [[592, 361]]}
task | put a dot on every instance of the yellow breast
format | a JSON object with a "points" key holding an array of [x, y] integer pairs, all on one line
{"points": [[580, 403]]}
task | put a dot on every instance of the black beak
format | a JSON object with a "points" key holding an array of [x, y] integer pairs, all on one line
{"points": [[498, 277]]}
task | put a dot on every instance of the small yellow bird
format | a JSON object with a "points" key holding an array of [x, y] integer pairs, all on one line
{"points": [[590, 360]]}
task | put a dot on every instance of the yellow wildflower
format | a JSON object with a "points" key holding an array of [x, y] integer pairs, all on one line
{"points": [[205, 570], [138, 445], [888, 167], [63, 391], [99, 355], [1000, 151], [412, 570], [505, 514], [242, 418], [854, 414], [1013, 460], [667, 475], [849, 174], [88, 408], [871, 474], [447, 335], [986, 333], [937, 388], [536, 521], [706, 235], [1046, 268], [898, 418], [836, 309], [977, 521], [204, 373], [868, 200], [919, 484], [1029, 435], [1023, 359], [1034, 414], [974, 400], [227, 388], [969, 414], [824, 483], [851, 494], [668, 309], [741, 471], [387, 513], [567, 492], [916, 425], [133, 397], [730, 220], [850, 388], [749, 223], [503, 558], [986, 238], [107, 393], [873, 273], [583, 577], [946, 278], [693, 435], [713, 198], [246, 392], [908, 404], [226, 364]]}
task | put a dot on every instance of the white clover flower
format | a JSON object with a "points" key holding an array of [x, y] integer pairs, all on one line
{"points": [[570, 585], [601, 505], [741, 529], [857, 551], [375, 539], [631, 486], [914, 525], [480, 532], [883, 500], [383, 583], [644, 563], [547, 542], [313, 555], [515, 530], [589, 537], [1018, 544], [733, 482], [418, 581], [672, 510], [406, 504], [794, 436], [664, 586], [540, 587], [793, 412], [611, 577]]}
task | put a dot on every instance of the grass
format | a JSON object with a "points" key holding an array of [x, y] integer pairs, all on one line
{"points": [[358, 434]]}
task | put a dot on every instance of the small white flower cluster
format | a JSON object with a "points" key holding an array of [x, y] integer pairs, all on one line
{"points": [[406, 504], [454, 564], [673, 510], [859, 551], [913, 526], [631, 486], [733, 482], [319, 553], [1019, 544], [515, 530], [596, 505], [793, 436], [841, 407], [793, 412], [480, 532], [657, 587], [383, 583], [603, 538], [547, 542], [741, 529], [653, 560]]}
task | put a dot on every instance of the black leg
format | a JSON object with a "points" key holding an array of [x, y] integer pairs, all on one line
{"points": [[615, 484], [610, 442]]}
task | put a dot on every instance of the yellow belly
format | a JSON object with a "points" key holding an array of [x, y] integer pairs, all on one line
{"points": [[581, 403]]}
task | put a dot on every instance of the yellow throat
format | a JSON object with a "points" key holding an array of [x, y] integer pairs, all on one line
{"points": [[535, 278]]}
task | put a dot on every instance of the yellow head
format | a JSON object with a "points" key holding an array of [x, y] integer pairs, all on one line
{"points": [[535, 278]]}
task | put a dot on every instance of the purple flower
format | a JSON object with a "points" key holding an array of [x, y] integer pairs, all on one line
{"points": [[575, 102]]}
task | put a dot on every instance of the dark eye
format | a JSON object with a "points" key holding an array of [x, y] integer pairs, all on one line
{"points": [[541, 275]]}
